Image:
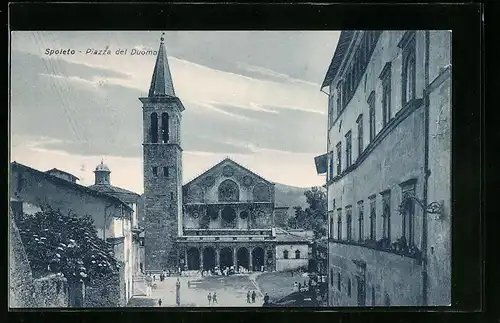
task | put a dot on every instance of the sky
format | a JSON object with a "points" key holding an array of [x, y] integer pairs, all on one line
{"points": [[252, 96]]}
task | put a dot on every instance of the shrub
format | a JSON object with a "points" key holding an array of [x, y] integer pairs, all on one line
{"points": [[69, 245]]}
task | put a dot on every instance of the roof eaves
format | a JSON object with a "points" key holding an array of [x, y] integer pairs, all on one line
{"points": [[342, 46], [71, 184]]}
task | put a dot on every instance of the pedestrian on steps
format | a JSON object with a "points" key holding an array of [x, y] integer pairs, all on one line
{"points": [[214, 299], [209, 297], [159, 302], [253, 296], [248, 297]]}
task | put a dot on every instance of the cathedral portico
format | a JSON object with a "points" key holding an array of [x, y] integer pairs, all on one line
{"points": [[207, 256]]}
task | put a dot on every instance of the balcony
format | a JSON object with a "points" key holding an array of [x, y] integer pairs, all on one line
{"points": [[246, 238], [240, 202], [399, 247], [227, 232]]}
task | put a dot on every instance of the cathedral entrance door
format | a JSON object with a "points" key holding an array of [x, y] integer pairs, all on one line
{"points": [[257, 258], [226, 257], [193, 259], [208, 258], [242, 257]]}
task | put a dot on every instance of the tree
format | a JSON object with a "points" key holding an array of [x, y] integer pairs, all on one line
{"points": [[315, 216], [69, 245]]}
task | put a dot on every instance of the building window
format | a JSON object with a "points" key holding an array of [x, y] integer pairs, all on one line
{"points": [[349, 287], [387, 300], [349, 223], [371, 108], [154, 127], [361, 291], [297, 254], [386, 215], [361, 221], [359, 121], [339, 98], [339, 224], [348, 145], [373, 220], [164, 127], [385, 76], [339, 282], [285, 254], [155, 171], [331, 277], [408, 215], [408, 77], [330, 165], [171, 196], [165, 171], [330, 110], [339, 158], [331, 224]]}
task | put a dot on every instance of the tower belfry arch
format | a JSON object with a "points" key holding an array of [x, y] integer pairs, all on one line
{"points": [[162, 160]]}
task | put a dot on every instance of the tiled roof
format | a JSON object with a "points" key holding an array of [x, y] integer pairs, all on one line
{"points": [[161, 82], [342, 46], [285, 236], [55, 170], [121, 193], [63, 182]]}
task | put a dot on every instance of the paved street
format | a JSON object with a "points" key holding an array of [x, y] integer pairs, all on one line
{"points": [[231, 291]]}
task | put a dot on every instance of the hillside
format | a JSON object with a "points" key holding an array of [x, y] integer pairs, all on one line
{"points": [[286, 195]]}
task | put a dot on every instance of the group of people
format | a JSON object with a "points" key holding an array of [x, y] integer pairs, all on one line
{"points": [[308, 285], [212, 299], [251, 297]]}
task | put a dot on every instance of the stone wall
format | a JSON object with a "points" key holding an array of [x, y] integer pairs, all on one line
{"points": [[439, 227], [389, 278], [106, 292], [51, 291], [22, 289], [162, 205], [26, 292]]}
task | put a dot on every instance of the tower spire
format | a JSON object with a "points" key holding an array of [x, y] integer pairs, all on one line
{"points": [[161, 82]]}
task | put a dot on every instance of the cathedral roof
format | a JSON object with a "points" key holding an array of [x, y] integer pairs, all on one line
{"points": [[161, 82], [230, 161]]}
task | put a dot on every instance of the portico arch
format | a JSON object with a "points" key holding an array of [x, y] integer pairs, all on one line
{"points": [[257, 258], [242, 257], [193, 258], [209, 258], [226, 257]]}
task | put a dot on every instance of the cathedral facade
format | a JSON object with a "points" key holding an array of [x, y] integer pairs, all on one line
{"points": [[222, 218]]}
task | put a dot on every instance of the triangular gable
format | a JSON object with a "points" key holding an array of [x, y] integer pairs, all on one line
{"points": [[230, 161]]}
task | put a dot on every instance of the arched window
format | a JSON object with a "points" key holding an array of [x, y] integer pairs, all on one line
{"points": [[338, 281], [229, 191], [297, 254], [349, 287], [164, 127], [154, 127], [285, 254], [331, 277], [261, 193], [339, 226]]}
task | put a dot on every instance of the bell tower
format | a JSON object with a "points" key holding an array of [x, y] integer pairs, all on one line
{"points": [[162, 160]]}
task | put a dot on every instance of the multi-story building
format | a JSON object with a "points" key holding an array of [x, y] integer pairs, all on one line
{"points": [[131, 230], [388, 165]]}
